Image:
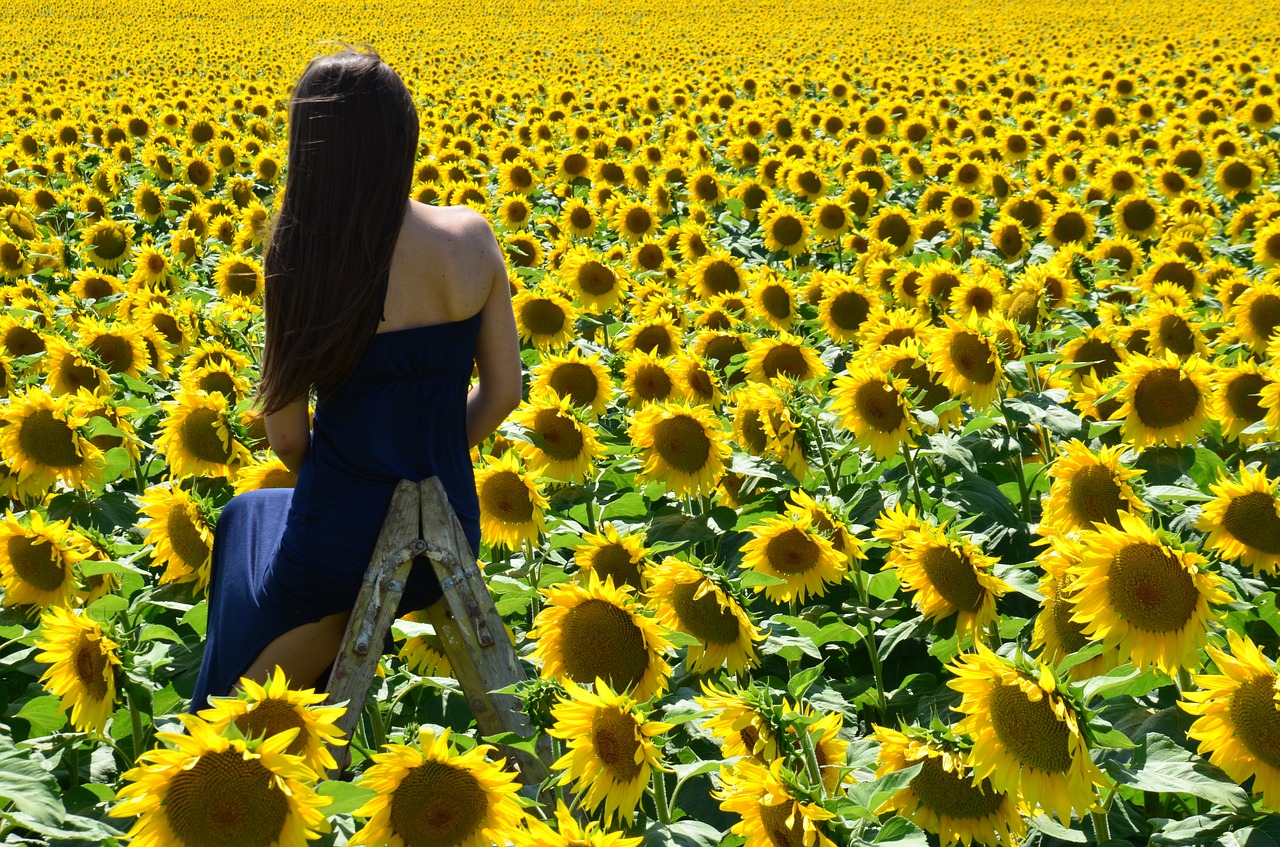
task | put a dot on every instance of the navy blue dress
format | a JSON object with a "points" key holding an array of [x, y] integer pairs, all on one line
{"points": [[285, 557]]}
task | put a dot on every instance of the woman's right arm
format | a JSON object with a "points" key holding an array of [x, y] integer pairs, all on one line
{"points": [[501, 383]]}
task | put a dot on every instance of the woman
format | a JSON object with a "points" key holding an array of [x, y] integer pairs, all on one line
{"points": [[383, 307]]}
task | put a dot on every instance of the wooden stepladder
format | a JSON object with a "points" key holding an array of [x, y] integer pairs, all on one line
{"points": [[420, 522]]}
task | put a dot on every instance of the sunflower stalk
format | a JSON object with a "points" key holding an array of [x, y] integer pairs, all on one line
{"points": [[661, 804], [873, 652], [72, 758], [1185, 683], [811, 766], [1101, 828], [135, 721], [1015, 466], [915, 476]]}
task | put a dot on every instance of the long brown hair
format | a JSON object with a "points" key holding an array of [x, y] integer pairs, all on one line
{"points": [[353, 139]]}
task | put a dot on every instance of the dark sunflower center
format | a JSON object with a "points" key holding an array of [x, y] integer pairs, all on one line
{"points": [[1030, 731], [785, 359], [1252, 520], [894, 229], [1271, 247], [1243, 396], [108, 243], [832, 217], [774, 820], [653, 383], [1070, 226], [184, 536], [980, 300], [930, 392], [219, 382], [1094, 495], [971, 356], [438, 805], [613, 560], [1070, 633], [224, 799], [682, 443], [598, 639], [787, 230], [1165, 398], [575, 381], [1150, 589], [754, 433], [1176, 335], [242, 279], [947, 793], [776, 301], [792, 552], [879, 405], [953, 576], [273, 716], [654, 339], [703, 617], [699, 383], [849, 310], [91, 667], [615, 738], [542, 317], [595, 279], [1139, 216], [1238, 176], [48, 441], [638, 221], [1256, 720], [1264, 315], [1104, 357], [561, 438], [37, 562], [115, 352], [21, 341], [722, 348], [720, 277], [1010, 241], [200, 437], [505, 496]]}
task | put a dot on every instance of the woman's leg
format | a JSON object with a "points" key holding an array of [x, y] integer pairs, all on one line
{"points": [[303, 653]]}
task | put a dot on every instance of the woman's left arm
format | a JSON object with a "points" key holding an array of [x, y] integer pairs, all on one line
{"points": [[289, 432]]}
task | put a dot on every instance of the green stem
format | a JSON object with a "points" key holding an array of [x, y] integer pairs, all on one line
{"points": [[811, 761], [915, 477], [379, 729], [1101, 828], [135, 720], [72, 757], [591, 512], [660, 802], [873, 652], [1184, 681]]}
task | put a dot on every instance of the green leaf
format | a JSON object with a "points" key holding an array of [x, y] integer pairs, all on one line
{"points": [[799, 684], [347, 796], [758, 579], [900, 831], [628, 507], [1208, 468], [31, 789], [197, 617], [43, 715], [685, 833], [159, 632], [1052, 828], [1158, 764], [1125, 680], [870, 795], [830, 628]]}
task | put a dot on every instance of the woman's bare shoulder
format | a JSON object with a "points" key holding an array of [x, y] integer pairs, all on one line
{"points": [[452, 221]]}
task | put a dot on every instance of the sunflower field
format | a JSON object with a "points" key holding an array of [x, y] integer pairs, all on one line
{"points": [[898, 461]]}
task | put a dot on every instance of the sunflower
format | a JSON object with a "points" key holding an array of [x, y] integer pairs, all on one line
{"points": [[771, 813], [107, 244], [1238, 720], [1266, 245], [1171, 328], [238, 276], [686, 600], [196, 437], [177, 527], [681, 445], [424, 651], [430, 795], [203, 788], [594, 281], [264, 710], [739, 724], [634, 220], [949, 576], [873, 405], [511, 504], [120, 347], [561, 446], [151, 270], [791, 549], [1026, 736], [1138, 594], [786, 356], [772, 300], [569, 833], [925, 388], [1055, 633], [267, 472], [967, 360], [1255, 313], [1236, 403], [698, 380], [764, 426], [544, 319], [895, 226], [943, 798], [596, 630], [717, 272], [1243, 520], [1010, 238], [1097, 353], [1069, 224], [786, 229], [584, 379], [1164, 401], [611, 752], [41, 442], [977, 296], [82, 662], [845, 309], [649, 378], [70, 370], [1088, 487], [612, 555]]}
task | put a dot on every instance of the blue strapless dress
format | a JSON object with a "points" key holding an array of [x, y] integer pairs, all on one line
{"points": [[285, 557]]}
